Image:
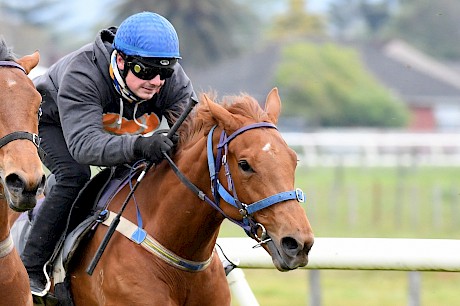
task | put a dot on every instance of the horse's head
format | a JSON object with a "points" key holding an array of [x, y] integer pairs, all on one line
{"points": [[261, 168], [21, 173]]}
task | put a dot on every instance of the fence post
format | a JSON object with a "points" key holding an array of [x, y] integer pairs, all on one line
{"points": [[437, 207], [315, 287], [240, 288], [414, 288]]}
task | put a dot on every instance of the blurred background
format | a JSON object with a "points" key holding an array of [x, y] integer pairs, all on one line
{"points": [[371, 103]]}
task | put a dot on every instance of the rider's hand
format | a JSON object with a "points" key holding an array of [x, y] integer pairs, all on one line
{"points": [[152, 147]]}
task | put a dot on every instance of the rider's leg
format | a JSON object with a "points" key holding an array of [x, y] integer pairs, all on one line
{"points": [[51, 220]]}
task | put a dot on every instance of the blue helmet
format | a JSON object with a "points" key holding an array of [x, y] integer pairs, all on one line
{"points": [[147, 34]]}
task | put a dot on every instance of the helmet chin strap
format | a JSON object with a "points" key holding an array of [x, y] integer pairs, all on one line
{"points": [[118, 80]]}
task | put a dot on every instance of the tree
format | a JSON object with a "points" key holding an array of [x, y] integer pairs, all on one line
{"points": [[327, 85], [297, 23], [209, 30], [376, 14], [429, 25], [350, 18]]}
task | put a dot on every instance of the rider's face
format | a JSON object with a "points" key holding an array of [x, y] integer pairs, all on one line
{"points": [[144, 89]]}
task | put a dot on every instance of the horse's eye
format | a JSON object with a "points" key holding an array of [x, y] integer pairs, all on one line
{"points": [[244, 165]]}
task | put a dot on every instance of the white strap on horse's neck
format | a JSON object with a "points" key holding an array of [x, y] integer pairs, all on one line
{"points": [[131, 231], [6, 246]]}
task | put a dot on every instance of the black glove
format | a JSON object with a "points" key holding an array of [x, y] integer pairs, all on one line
{"points": [[151, 147]]}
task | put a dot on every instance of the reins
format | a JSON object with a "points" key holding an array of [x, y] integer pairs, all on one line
{"points": [[248, 223], [113, 225]]}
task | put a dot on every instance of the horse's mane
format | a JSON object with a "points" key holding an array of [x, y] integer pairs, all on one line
{"points": [[6, 54], [201, 119]]}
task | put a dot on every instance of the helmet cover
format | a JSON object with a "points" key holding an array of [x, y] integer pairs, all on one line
{"points": [[147, 34]]}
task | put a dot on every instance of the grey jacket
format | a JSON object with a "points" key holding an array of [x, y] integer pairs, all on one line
{"points": [[77, 91]]}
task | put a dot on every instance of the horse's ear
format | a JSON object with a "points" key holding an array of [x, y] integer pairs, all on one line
{"points": [[222, 116], [273, 105], [29, 62]]}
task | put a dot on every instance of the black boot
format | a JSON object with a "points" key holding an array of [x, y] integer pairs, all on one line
{"points": [[47, 228], [37, 283]]}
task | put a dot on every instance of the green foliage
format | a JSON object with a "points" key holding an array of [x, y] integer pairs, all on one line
{"points": [[429, 25], [327, 85], [297, 22]]}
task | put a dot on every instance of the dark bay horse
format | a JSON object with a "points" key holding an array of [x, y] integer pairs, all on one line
{"points": [[21, 173], [176, 263]]}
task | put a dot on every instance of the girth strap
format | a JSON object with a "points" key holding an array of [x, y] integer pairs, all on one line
{"points": [[139, 236]]}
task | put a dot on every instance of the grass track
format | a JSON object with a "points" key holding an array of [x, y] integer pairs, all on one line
{"points": [[388, 202]]}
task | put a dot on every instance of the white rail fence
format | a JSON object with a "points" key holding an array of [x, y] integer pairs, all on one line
{"points": [[348, 254], [374, 148]]}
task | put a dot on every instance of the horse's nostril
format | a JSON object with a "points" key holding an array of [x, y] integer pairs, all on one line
{"points": [[290, 246], [14, 182], [42, 183], [289, 243]]}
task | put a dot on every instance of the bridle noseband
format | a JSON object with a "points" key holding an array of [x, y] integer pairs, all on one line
{"points": [[20, 134]]}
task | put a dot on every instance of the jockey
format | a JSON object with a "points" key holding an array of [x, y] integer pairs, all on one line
{"points": [[98, 103]]}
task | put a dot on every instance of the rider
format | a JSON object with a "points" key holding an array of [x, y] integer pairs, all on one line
{"points": [[98, 104]]}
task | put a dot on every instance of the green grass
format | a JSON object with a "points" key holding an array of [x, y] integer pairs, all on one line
{"points": [[382, 202]]}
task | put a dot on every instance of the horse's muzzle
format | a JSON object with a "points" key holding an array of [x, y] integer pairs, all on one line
{"points": [[290, 253], [20, 194]]}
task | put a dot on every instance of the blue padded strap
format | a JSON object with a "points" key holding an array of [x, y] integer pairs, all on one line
{"points": [[244, 129], [276, 198], [211, 167], [226, 195]]}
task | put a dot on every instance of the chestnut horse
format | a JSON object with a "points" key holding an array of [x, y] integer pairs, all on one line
{"points": [[21, 173], [175, 262]]}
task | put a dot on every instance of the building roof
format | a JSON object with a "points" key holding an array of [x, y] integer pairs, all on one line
{"points": [[413, 76], [252, 73]]}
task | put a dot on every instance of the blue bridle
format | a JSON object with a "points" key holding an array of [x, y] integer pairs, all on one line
{"points": [[248, 223], [219, 191]]}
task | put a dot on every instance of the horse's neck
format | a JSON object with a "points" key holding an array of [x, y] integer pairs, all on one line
{"points": [[181, 218]]}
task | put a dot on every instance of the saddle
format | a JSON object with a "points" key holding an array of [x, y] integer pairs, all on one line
{"points": [[82, 221]]}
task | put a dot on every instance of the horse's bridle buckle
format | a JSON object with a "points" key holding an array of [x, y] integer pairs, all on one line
{"points": [[36, 140], [300, 196]]}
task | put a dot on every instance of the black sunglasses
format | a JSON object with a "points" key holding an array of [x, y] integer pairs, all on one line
{"points": [[147, 72]]}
